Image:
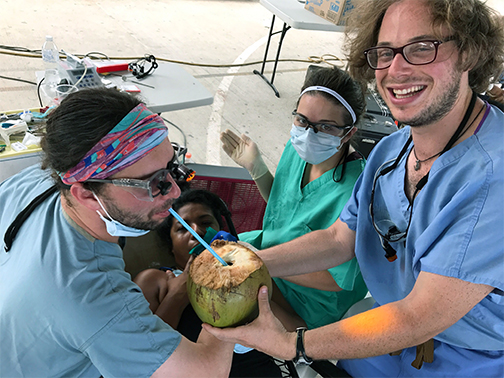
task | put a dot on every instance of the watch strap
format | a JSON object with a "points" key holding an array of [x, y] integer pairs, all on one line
{"points": [[301, 357]]}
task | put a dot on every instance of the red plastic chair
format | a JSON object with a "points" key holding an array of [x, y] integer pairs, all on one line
{"points": [[235, 186]]}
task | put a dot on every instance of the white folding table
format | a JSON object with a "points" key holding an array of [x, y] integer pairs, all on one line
{"points": [[293, 14], [169, 88]]}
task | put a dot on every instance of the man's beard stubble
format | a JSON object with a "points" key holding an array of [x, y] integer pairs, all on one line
{"points": [[441, 107], [438, 109], [134, 220]]}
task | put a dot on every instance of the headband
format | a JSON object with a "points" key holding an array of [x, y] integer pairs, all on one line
{"points": [[334, 94], [131, 139]]}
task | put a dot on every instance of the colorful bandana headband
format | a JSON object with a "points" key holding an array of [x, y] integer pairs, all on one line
{"points": [[129, 141], [334, 94]]}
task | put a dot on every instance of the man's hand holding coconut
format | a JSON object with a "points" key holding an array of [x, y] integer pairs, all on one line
{"points": [[234, 295]]}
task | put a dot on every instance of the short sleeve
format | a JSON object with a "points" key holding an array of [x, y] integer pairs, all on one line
{"points": [[139, 341], [349, 213]]}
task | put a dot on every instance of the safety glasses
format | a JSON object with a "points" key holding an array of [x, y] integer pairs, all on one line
{"points": [[160, 183], [300, 120]]}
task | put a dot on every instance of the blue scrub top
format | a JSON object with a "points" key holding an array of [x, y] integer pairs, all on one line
{"points": [[456, 228]]}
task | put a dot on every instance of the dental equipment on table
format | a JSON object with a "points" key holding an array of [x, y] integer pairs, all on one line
{"points": [[28, 123]]}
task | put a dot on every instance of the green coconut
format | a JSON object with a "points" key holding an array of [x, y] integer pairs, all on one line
{"points": [[226, 296]]}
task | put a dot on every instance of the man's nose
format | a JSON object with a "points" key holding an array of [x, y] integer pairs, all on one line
{"points": [[399, 64]]}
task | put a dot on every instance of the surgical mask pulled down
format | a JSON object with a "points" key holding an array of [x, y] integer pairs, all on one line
{"points": [[115, 228], [314, 148]]}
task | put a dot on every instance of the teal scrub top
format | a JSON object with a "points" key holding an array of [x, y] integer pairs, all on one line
{"points": [[293, 211], [67, 307]]}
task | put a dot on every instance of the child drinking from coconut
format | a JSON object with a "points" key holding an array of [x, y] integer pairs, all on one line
{"points": [[166, 290], [313, 181]]}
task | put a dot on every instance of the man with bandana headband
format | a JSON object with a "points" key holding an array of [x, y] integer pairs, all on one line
{"points": [[67, 307]]}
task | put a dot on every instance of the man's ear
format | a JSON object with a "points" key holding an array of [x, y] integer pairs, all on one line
{"points": [[84, 196]]}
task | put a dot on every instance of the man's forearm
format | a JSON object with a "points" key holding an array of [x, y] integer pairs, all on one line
{"points": [[313, 252], [435, 304], [322, 280], [372, 333]]}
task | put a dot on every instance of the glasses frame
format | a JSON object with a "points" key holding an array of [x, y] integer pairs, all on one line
{"points": [[174, 171], [124, 183], [400, 50], [315, 125]]}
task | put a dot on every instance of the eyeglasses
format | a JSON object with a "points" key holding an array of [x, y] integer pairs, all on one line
{"points": [[301, 121], [160, 183], [416, 53], [386, 229]]}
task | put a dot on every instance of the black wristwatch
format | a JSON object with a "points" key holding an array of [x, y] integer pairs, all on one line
{"points": [[301, 357]]}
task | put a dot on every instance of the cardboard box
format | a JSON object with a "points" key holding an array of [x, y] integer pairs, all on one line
{"points": [[331, 10]]}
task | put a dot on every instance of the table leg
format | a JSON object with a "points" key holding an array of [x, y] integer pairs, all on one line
{"points": [[270, 33], [283, 32]]}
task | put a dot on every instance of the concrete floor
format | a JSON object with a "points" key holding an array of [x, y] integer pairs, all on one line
{"points": [[195, 31]]}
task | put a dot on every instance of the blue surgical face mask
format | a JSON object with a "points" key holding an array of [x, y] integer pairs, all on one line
{"points": [[115, 228], [314, 148]]}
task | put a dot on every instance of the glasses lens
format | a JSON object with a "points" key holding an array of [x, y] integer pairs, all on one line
{"points": [[299, 120], [332, 129], [388, 230], [139, 188], [420, 52], [380, 57]]}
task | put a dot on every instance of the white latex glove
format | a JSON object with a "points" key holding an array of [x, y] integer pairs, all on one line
{"points": [[244, 152]]}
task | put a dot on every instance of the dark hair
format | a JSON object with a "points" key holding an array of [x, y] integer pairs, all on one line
{"points": [[340, 82], [211, 200], [79, 123], [477, 28]]}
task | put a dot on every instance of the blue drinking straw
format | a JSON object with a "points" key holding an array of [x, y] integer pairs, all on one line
{"points": [[199, 238]]}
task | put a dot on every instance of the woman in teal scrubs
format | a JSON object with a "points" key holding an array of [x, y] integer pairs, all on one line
{"points": [[313, 181]]}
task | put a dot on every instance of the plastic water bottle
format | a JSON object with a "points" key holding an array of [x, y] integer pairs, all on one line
{"points": [[50, 54]]}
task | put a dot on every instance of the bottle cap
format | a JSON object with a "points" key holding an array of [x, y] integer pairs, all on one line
{"points": [[49, 38]]}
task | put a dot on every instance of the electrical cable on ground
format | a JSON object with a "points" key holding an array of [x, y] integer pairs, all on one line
{"points": [[17, 79], [24, 52], [178, 128]]}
